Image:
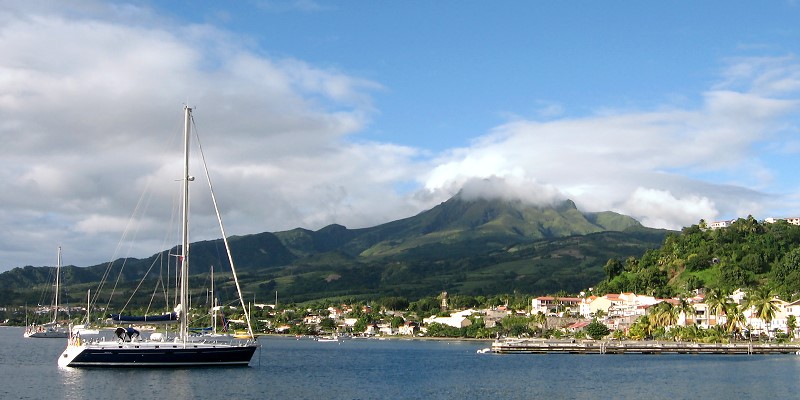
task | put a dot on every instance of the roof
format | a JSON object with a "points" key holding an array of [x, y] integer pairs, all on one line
{"points": [[575, 299], [578, 325]]}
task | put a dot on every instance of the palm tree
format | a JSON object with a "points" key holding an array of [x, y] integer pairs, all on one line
{"points": [[791, 325], [716, 301], [715, 334], [540, 318], [685, 307], [599, 315], [663, 315], [693, 332], [735, 318], [641, 328], [764, 303]]}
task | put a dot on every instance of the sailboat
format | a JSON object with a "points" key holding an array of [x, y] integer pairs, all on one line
{"points": [[51, 329], [86, 328], [159, 351], [211, 332]]}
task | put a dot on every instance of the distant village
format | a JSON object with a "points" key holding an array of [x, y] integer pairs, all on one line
{"points": [[565, 315], [770, 220]]}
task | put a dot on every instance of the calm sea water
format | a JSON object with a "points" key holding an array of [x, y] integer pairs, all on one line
{"points": [[286, 368]]}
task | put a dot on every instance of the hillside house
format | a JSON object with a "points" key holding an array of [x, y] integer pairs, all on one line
{"points": [[550, 305]]}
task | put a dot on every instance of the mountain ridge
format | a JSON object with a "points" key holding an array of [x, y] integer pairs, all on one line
{"points": [[457, 245]]}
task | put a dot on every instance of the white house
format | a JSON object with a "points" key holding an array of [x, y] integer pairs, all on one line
{"points": [[454, 321], [552, 305], [410, 328]]}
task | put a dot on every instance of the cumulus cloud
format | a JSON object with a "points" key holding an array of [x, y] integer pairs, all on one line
{"points": [[511, 188], [661, 208], [93, 117], [648, 164]]}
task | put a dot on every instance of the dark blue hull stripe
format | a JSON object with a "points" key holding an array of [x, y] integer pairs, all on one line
{"points": [[151, 357]]}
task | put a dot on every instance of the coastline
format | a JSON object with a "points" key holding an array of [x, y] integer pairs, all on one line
{"points": [[544, 346]]}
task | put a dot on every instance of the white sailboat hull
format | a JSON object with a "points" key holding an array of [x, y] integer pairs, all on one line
{"points": [[147, 354], [47, 334]]}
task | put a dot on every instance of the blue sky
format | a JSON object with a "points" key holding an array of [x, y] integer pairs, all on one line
{"points": [[362, 112], [459, 68]]}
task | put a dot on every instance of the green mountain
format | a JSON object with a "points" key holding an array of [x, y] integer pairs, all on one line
{"points": [[477, 247]]}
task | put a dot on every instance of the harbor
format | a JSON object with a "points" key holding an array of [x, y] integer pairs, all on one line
{"points": [[637, 347]]}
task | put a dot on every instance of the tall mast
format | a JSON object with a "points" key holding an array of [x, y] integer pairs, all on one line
{"points": [[213, 305], [88, 306], [58, 285], [184, 295]]}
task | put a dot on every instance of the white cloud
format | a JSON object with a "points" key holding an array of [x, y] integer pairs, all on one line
{"points": [[92, 117], [511, 188], [649, 164], [661, 208], [102, 224]]}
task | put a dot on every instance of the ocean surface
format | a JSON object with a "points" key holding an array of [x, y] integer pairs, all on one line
{"points": [[286, 368]]}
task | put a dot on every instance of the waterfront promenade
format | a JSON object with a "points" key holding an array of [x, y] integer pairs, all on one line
{"points": [[531, 346]]}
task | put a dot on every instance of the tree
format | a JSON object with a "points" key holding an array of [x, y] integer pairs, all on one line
{"points": [[328, 324], [686, 308], [716, 301], [663, 314], [596, 330], [693, 282], [600, 314], [394, 303], [515, 325], [397, 321], [787, 272], [641, 328], [539, 319], [633, 265], [791, 325], [698, 262], [362, 323], [763, 301], [425, 307], [734, 276], [436, 329], [735, 318], [613, 268]]}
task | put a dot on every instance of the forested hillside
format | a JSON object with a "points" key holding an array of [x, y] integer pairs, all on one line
{"points": [[746, 254]]}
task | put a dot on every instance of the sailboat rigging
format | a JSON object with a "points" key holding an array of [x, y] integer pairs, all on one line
{"points": [[131, 351], [51, 329], [86, 327]]}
